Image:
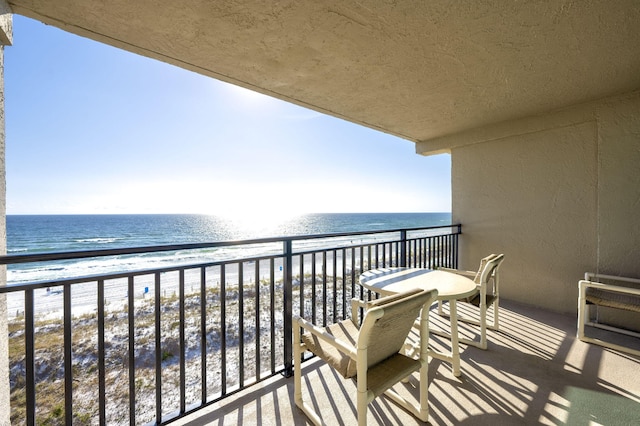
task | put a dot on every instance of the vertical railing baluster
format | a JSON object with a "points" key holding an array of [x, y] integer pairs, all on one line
{"points": [[29, 348], [132, 353], [344, 283], [313, 289], [334, 299], [272, 293], [203, 335], [68, 361], [393, 253], [301, 287], [101, 357], [455, 265], [393, 250], [361, 270], [258, 325], [376, 255], [425, 251], [353, 272], [384, 255], [414, 253], [432, 254], [241, 324], [158, 346], [288, 308], [403, 248], [181, 295], [324, 288], [223, 330], [445, 252]]}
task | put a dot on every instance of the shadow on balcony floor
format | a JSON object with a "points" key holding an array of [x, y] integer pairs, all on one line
{"points": [[534, 372]]}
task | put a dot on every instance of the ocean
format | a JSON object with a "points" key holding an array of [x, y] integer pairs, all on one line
{"points": [[33, 234]]}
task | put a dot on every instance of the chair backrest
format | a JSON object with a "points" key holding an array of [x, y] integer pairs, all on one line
{"points": [[488, 267], [388, 321]]}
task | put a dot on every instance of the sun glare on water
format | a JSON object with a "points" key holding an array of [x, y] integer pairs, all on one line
{"points": [[259, 223]]}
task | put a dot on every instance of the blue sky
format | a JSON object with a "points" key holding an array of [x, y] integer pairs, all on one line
{"points": [[94, 129]]}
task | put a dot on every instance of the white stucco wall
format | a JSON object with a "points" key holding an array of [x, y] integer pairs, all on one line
{"points": [[559, 194], [619, 187]]}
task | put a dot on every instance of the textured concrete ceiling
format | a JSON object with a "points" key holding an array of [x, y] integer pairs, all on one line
{"points": [[418, 69]]}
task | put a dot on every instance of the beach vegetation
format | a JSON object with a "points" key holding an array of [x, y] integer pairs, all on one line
{"points": [[49, 345]]}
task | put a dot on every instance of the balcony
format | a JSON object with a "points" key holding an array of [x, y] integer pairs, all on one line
{"points": [[210, 342], [534, 372]]}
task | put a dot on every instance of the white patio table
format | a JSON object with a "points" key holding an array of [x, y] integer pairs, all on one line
{"points": [[450, 287]]}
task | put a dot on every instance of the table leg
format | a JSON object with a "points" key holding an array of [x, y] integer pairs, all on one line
{"points": [[455, 349], [453, 356]]}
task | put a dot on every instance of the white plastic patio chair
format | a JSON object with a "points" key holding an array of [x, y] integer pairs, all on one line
{"points": [[371, 353], [486, 296], [607, 291]]}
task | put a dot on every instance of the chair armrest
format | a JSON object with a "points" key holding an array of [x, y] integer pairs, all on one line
{"points": [[584, 284], [471, 274], [355, 304], [358, 303], [343, 347], [593, 277]]}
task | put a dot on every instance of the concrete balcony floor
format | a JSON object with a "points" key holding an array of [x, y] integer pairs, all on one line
{"points": [[534, 372]]}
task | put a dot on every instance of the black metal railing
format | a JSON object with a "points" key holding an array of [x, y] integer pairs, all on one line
{"points": [[150, 346]]}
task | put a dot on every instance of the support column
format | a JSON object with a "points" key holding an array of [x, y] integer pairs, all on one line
{"points": [[6, 38]]}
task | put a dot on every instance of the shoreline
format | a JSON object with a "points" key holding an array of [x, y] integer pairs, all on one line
{"points": [[49, 302]]}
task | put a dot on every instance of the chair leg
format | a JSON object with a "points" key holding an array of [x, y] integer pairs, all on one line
{"points": [[423, 414], [483, 325], [481, 341], [424, 393], [361, 386], [362, 408], [297, 378], [582, 312]]}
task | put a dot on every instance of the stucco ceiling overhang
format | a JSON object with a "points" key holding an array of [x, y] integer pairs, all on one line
{"points": [[418, 69]]}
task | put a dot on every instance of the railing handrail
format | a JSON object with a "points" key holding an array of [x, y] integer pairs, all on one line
{"points": [[83, 254]]}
